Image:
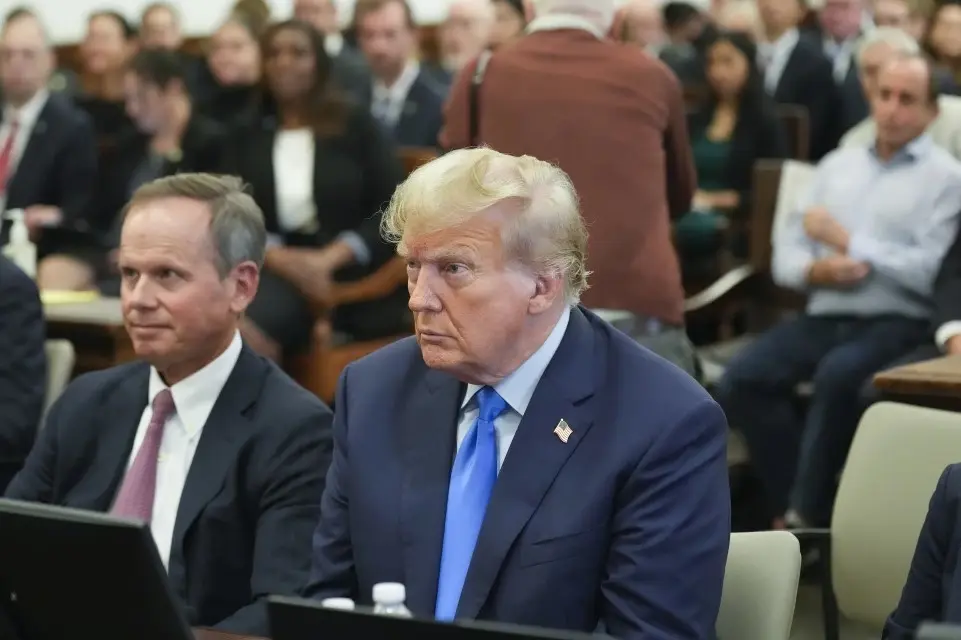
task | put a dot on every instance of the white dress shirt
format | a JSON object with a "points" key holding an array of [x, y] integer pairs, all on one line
{"points": [[841, 55], [387, 105], [194, 398], [26, 118], [294, 180], [333, 44], [774, 57], [517, 389], [945, 332]]}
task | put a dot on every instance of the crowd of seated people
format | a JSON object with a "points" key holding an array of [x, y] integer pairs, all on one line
{"points": [[659, 136]]}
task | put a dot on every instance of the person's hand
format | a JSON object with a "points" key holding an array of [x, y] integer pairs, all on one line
{"points": [[702, 201], [953, 346], [821, 226], [317, 276], [40, 216], [838, 271]]}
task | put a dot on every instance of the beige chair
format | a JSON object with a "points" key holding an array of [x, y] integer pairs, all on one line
{"points": [[60, 360], [894, 463], [760, 586]]}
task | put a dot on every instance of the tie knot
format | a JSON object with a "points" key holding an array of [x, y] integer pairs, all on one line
{"points": [[163, 406], [490, 404]]}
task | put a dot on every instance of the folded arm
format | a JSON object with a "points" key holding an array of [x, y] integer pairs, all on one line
{"points": [[671, 535]]}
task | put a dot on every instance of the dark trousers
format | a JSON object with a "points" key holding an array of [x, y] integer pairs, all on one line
{"points": [[798, 459], [927, 351]]}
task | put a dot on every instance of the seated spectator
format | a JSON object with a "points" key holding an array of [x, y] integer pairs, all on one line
{"points": [[510, 20], [106, 48], [214, 447], [875, 50], [23, 372], [463, 35], [865, 245], [688, 30], [797, 72], [348, 67], [234, 62], [737, 127], [160, 28], [169, 138], [893, 13], [406, 98], [48, 154], [321, 170], [943, 44], [933, 584]]}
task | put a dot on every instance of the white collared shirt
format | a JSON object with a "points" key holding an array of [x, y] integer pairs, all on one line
{"points": [[841, 54], [388, 102], [517, 389], [559, 21], [194, 399], [294, 152], [26, 118], [333, 44], [774, 58]]}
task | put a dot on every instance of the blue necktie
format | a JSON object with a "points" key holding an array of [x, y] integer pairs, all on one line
{"points": [[471, 482]]}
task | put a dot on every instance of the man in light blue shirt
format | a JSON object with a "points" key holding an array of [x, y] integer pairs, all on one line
{"points": [[865, 245]]}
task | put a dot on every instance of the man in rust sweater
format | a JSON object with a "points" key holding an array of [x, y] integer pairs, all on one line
{"points": [[612, 117]]}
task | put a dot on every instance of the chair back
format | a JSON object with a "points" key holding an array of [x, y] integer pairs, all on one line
{"points": [[797, 127], [897, 456], [61, 357], [760, 586]]}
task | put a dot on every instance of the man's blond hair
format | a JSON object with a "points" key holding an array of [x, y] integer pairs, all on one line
{"points": [[546, 232], [237, 228]]}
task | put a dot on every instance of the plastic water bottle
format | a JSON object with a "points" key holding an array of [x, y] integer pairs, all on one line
{"points": [[389, 600], [345, 604]]}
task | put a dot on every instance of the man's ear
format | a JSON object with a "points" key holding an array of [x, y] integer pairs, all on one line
{"points": [[618, 31], [529, 12]]}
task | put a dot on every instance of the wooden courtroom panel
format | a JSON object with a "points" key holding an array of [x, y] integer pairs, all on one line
{"points": [[96, 330], [932, 383], [210, 634]]}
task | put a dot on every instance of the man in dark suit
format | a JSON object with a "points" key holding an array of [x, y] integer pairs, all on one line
{"points": [[404, 96], [796, 71], [48, 154], [214, 446], [23, 371], [933, 584], [606, 115], [347, 64], [524, 461]]}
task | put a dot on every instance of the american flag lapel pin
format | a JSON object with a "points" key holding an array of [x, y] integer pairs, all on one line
{"points": [[563, 431]]}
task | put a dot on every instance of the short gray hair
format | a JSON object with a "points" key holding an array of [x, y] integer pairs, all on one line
{"points": [[236, 222], [600, 13], [897, 39]]}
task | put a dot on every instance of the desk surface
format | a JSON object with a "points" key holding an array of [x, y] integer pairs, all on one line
{"points": [[935, 383], [102, 311]]}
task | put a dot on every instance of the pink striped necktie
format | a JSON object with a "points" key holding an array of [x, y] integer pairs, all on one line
{"points": [[136, 496]]}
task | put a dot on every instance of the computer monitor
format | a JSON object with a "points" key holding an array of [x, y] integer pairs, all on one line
{"points": [[66, 573], [933, 631], [296, 619]]}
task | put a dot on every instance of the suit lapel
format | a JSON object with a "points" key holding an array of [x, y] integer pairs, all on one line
{"points": [[29, 167], [115, 437], [428, 434], [225, 431], [535, 458]]}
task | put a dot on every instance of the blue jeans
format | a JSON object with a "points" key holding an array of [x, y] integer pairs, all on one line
{"points": [[798, 458]]}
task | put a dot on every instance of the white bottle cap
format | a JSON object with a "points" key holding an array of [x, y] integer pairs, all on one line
{"points": [[338, 603], [389, 593]]}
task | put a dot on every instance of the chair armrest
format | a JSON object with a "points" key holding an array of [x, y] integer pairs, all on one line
{"points": [[379, 284], [720, 288]]}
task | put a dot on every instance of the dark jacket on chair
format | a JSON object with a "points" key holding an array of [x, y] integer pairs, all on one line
{"points": [[808, 81], [23, 371], [252, 495]]}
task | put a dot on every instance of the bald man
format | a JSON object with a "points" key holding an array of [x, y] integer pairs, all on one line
{"points": [[48, 155], [465, 33]]}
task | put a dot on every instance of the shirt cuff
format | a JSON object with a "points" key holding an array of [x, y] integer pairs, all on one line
{"points": [[353, 240], [864, 248], [947, 331]]}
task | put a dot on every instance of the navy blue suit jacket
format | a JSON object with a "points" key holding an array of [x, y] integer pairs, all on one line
{"points": [[422, 117], [252, 494], [23, 367], [627, 524], [933, 589]]}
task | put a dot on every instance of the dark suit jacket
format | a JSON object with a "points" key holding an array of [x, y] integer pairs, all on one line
{"points": [[423, 114], [23, 367], [351, 73], [933, 588], [252, 494], [613, 118], [58, 168], [808, 80], [627, 524], [202, 148]]}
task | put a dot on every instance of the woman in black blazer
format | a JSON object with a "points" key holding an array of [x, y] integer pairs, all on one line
{"points": [[322, 171], [736, 127]]}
